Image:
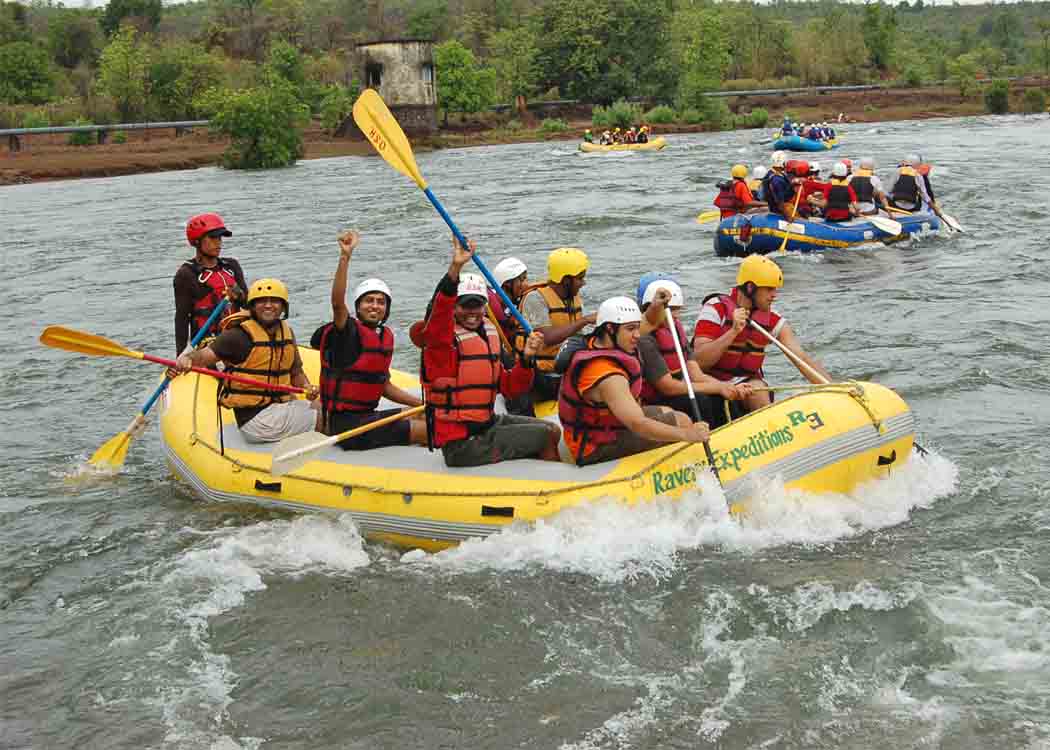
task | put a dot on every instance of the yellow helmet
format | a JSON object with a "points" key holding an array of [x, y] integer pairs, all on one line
{"points": [[566, 261], [268, 288], [738, 170], [761, 271]]}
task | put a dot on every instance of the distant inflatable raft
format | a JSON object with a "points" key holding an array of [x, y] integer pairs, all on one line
{"points": [[745, 234], [828, 440], [655, 144], [798, 143]]}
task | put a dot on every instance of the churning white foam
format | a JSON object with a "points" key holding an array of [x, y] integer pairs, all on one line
{"points": [[612, 541], [214, 578]]}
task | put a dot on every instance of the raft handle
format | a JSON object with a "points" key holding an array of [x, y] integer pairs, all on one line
{"points": [[267, 486], [492, 510], [887, 460]]}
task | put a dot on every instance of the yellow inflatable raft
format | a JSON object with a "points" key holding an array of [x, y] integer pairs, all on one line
{"points": [[655, 144], [827, 440]]}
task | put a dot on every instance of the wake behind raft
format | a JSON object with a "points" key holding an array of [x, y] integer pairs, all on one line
{"points": [[827, 440], [741, 235]]}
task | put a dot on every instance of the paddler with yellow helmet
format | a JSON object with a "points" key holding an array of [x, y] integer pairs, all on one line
{"points": [[259, 344], [726, 347], [555, 310]]}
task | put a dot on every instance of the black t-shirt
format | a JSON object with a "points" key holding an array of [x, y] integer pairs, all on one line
{"points": [[189, 289], [342, 347]]}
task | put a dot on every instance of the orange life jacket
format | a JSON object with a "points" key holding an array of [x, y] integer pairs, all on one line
{"points": [[745, 355], [561, 314], [270, 359], [358, 387], [471, 395], [588, 422], [665, 341]]}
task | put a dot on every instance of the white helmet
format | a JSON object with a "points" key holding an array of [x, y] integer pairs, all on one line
{"points": [[814, 166], [839, 170], [779, 159], [759, 172], [373, 285], [472, 285], [912, 160], [618, 310], [867, 162], [677, 299], [507, 269]]}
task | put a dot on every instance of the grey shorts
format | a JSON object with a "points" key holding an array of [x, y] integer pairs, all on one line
{"points": [[508, 438], [281, 420], [628, 443]]}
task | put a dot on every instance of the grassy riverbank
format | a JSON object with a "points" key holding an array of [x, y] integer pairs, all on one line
{"points": [[51, 158]]}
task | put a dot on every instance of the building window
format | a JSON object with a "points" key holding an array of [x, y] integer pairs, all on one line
{"points": [[373, 75], [428, 73]]}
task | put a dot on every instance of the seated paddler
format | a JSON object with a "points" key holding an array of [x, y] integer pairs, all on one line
{"points": [[728, 347], [463, 372], [356, 352], [662, 380], [598, 401], [259, 344]]}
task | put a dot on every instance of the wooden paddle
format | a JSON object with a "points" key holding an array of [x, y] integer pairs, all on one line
{"points": [[782, 250], [60, 337], [689, 388], [113, 452], [378, 124], [298, 450]]}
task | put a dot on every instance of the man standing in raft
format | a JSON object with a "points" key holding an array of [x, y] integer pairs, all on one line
{"points": [[260, 345], [202, 281], [555, 310], [463, 372], [356, 352], [728, 348], [598, 402]]}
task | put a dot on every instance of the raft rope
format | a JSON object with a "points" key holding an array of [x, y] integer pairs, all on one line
{"points": [[851, 388]]}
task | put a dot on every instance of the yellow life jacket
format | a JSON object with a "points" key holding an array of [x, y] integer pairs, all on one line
{"points": [[270, 359], [561, 314]]}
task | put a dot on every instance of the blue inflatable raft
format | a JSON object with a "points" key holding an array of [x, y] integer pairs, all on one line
{"points": [[798, 143], [745, 234]]}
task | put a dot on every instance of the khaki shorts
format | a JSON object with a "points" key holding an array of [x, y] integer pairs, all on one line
{"points": [[278, 421], [628, 443], [508, 438]]}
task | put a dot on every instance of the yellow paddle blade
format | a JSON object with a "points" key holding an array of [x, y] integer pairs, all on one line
{"points": [[378, 124], [113, 452], [60, 337], [707, 216]]}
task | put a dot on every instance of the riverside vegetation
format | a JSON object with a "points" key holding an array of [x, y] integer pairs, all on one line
{"points": [[260, 69]]}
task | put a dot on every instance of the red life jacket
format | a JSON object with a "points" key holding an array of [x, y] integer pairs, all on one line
{"points": [[593, 423], [471, 395], [666, 343], [727, 200], [745, 355], [218, 280], [359, 386], [837, 208]]}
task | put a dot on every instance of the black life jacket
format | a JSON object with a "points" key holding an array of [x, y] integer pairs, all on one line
{"points": [[906, 190], [863, 188]]}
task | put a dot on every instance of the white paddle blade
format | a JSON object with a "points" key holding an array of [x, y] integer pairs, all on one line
{"points": [[887, 225], [297, 451], [950, 221]]}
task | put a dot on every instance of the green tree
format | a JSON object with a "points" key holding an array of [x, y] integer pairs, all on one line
{"points": [[701, 47], [880, 29], [462, 84], [428, 19], [1044, 31], [286, 61], [963, 71], [143, 14], [997, 98], [13, 27], [73, 37], [178, 73], [123, 72], [513, 58], [264, 124], [25, 74]]}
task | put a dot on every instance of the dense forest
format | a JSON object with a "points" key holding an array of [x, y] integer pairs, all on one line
{"points": [[135, 59]]}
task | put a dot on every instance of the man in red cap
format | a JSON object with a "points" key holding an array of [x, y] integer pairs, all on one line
{"points": [[202, 281]]}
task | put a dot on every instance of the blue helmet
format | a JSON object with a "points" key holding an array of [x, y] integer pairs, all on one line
{"points": [[648, 279]]}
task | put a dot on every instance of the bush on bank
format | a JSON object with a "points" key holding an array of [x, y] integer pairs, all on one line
{"points": [[264, 124]]}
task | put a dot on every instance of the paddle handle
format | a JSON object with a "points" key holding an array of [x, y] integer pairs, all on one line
{"points": [[790, 354], [689, 388], [228, 376], [219, 308], [350, 433], [477, 261]]}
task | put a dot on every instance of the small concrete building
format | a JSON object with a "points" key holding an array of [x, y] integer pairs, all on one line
{"points": [[402, 71]]}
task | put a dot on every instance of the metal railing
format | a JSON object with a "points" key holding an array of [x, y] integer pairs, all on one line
{"points": [[14, 135]]}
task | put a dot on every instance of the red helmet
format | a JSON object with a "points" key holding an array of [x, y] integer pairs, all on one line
{"points": [[201, 224], [848, 163], [802, 169]]}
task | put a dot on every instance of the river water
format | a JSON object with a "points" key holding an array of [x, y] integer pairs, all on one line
{"points": [[914, 614]]}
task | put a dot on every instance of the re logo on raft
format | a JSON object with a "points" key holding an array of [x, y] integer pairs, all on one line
{"points": [[756, 445]]}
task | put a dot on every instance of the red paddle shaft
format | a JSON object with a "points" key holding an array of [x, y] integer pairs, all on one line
{"points": [[228, 376]]}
